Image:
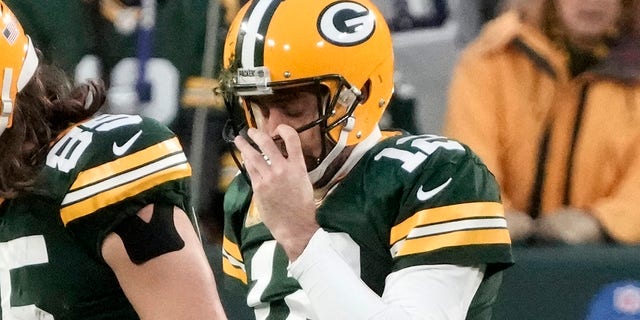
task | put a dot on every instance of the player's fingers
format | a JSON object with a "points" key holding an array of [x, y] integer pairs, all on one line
{"points": [[291, 141], [270, 150], [253, 160]]}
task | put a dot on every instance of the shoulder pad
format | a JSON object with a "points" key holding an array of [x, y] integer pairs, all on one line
{"points": [[110, 158]]}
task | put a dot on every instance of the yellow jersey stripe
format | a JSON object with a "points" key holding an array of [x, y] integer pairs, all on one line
{"points": [[127, 163], [113, 190], [459, 238], [231, 248], [124, 178], [449, 227], [445, 214], [233, 271]]}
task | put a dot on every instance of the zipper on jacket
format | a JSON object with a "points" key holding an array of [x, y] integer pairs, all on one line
{"points": [[535, 202], [574, 141]]}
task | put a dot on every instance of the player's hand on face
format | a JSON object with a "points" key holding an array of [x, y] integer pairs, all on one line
{"points": [[282, 190]]}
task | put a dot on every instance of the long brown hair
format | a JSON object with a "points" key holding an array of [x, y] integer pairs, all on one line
{"points": [[47, 106]]}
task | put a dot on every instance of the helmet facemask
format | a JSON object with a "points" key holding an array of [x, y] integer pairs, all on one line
{"points": [[336, 101]]}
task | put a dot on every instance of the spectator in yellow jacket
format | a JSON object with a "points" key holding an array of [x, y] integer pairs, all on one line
{"points": [[549, 96]]}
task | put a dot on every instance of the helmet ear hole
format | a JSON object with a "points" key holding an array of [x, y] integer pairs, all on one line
{"points": [[366, 88]]}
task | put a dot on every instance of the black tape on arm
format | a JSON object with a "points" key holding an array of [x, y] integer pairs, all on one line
{"points": [[145, 241]]}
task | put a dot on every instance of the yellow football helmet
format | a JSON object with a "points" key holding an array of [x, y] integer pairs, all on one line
{"points": [[18, 62], [344, 46]]}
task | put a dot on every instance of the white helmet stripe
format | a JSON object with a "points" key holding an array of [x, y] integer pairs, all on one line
{"points": [[253, 31]]}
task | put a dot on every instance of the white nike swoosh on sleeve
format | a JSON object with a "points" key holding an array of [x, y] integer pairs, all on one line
{"points": [[120, 150], [426, 195]]}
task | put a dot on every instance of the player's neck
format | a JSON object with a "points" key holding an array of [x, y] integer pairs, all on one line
{"points": [[333, 169]]}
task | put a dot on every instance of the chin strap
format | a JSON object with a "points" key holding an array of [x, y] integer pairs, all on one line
{"points": [[7, 103], [318, 172], [358, 151]]}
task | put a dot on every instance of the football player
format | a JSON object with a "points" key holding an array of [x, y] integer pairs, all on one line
{"points": [[95, 220], [334, 218]]}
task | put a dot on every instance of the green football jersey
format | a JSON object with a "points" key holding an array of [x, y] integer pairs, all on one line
{"points": [[97, 174], [409, 201]]}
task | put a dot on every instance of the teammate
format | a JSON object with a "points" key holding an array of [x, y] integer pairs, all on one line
{"points": [[93, 221], [333, 218]]}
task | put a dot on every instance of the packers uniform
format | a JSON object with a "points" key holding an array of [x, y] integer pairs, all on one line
{"points": [[408, 201], [96, 174]]}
